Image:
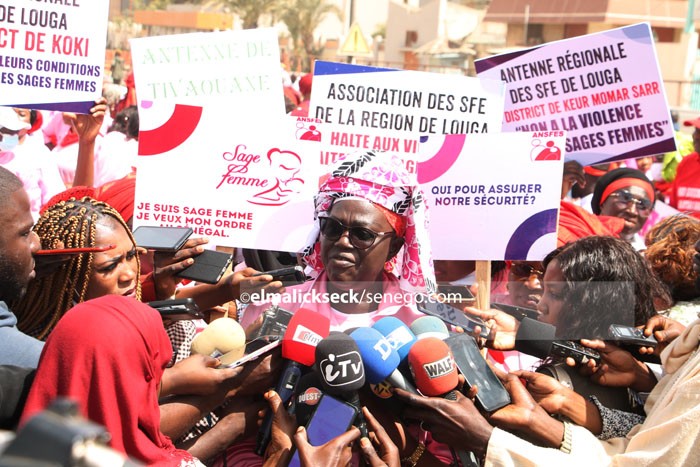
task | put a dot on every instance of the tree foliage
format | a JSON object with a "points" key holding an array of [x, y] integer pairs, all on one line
{"points": [[250, 11], [302, 17]]}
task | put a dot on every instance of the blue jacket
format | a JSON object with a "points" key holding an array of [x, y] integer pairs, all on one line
{"points": [[16, 348]]}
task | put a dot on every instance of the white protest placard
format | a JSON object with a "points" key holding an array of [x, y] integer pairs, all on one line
{"points": [[241, 68], [492, 196], [52, 53], [251, 188], [604, 89], [389, 110], [216, 151]]}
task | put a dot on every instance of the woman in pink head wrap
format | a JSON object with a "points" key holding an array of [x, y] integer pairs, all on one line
{"points": [[367, 212], [369, 247]]}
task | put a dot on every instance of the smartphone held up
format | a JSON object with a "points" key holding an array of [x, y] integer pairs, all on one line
{"points": [[177, 309], [161, 238], [291, 275], [208, 267]]}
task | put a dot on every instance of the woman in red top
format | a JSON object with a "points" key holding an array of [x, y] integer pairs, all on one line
{"points": [[109, 354]]}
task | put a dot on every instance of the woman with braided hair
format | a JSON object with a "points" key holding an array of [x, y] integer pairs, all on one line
{"points": [[195, 386], [79, 223], [86, 222]]}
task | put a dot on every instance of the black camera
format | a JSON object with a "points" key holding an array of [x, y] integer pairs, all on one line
{"points": [[58, 436]]}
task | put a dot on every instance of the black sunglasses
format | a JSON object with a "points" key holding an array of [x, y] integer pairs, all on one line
{"points": [[360, 237], [524, 270]]}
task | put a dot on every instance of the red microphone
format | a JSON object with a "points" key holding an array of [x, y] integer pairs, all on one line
{"points": [[435, 374], [433, 367], [305, 330]]}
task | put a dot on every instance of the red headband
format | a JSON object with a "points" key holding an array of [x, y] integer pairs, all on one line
{"points": [[624, 183], [592, 171]]}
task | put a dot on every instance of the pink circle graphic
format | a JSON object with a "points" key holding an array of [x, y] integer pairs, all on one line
{"points": [[443, 159]]}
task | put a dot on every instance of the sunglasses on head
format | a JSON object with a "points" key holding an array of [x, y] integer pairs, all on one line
{"points": [[625, 198], [360, 237]]}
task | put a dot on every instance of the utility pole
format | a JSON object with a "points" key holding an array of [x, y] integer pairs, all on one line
{"points": [[526, 23], [351, 20], [689, 17]]}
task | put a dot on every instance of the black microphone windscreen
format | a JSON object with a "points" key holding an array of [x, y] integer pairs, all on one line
{"points": [[339, 364], [534, 337]]}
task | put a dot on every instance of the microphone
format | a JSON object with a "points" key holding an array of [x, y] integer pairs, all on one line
{"points": [[340, 364], [305, 330], [309, 392], [223, 338], [399, 336], [534, 338], [433, 368], [342, 373], [429, 326], [435, 374], [538, 339], [380, 359]]}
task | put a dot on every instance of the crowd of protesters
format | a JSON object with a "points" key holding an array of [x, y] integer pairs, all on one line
{"points": [[76, 326]]}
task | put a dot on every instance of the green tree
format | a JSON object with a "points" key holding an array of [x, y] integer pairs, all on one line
{"points": [[302, 17]]}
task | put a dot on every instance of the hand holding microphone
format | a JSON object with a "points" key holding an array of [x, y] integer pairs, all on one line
{"points": [[435, 373], [282, 431], [433, 368], [223, 338], [342, 372], [380, 450], [197, 375], [447, 413], [458, 423], [305, 330]]}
